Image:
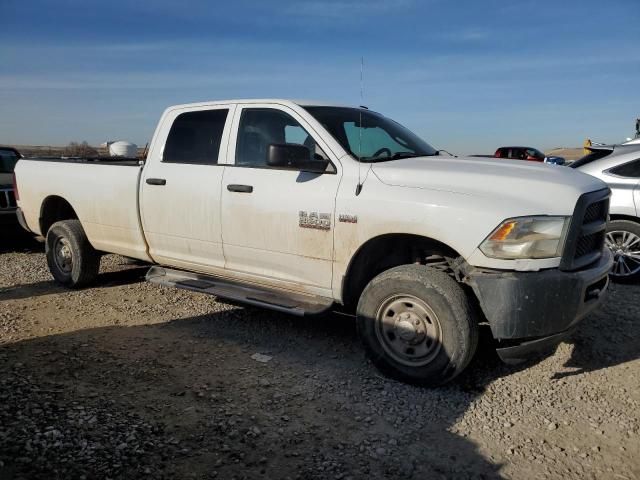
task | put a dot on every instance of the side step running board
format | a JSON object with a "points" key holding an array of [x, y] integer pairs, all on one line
{"points": [[294, 303]]}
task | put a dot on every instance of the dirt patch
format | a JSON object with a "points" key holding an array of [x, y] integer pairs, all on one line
{"points": [[131, 380]]}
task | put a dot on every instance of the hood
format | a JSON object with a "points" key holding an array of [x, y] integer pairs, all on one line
{"points": [[507, 180]]}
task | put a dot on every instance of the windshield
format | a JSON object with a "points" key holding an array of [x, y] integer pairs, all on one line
{"points": [[8, 160], [532, 152], [369, 136]]}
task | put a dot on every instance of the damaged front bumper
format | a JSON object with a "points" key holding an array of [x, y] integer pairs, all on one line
{"points": [[531, 312]]}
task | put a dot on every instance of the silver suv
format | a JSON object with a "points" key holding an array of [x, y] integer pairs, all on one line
{"points": [[619, 167]]}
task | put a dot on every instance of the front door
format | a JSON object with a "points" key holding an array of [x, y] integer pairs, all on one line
{"points": [[277, 223], [181, 186]]}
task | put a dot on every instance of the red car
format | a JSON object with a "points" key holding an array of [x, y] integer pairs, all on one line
{"points": [[520, 153]]}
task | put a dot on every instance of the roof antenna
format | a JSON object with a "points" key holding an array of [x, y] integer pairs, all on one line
{"points": [[359, 186]]}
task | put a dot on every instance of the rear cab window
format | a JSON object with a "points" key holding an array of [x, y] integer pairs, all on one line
{"points": [[195, 137]]}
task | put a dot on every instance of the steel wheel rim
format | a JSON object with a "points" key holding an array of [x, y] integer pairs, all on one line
{"points": [[625, 247], [408, 330], [62, 255]]}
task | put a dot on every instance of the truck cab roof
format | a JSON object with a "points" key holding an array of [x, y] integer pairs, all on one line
{"points": [[281, 101]]}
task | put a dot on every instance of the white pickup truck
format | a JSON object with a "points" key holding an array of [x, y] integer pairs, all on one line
{"points": [[303, 207]]}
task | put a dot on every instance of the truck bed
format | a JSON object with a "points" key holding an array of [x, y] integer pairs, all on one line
{"points": [[102, 193]]}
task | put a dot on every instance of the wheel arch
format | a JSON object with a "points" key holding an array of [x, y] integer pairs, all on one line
{"points": [[383, 252], [630, 218], [54, 208]]}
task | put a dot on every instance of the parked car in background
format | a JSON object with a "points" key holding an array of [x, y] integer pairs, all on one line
{"points": [[527, 153], [8, 158], [524, 153], [520, 153], [619, 167]]}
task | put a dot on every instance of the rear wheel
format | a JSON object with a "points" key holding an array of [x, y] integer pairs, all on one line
{"points": [[72, 260], [623, 239], [417, 325]]}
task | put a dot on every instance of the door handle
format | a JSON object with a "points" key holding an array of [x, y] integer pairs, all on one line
{"points": [[156, 181], [240, 188]]}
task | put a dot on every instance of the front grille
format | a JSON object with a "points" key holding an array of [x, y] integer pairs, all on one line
{"points": [[7, 199], [589, 243], [585, 239], [596, 211]]}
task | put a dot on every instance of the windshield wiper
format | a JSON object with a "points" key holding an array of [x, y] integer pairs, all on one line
{"points": [[386, 158]]}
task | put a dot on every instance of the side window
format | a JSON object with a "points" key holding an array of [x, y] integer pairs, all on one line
{"points": [[629, 169], [261, 127], [195, 137]]}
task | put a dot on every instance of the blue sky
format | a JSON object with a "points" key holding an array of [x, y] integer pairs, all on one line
{"points": [[467, 76]]}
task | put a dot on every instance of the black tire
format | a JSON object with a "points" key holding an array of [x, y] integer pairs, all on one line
{"points": [[72, 260], [615, 231], [436, 359]]}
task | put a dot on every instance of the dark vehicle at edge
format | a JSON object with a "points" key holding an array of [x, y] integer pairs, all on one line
{"points": [[9, 156]]}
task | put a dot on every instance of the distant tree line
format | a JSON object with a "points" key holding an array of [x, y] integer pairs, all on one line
{"points": [[75, 149]]}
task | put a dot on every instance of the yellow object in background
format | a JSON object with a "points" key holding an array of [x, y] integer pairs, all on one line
{"points": [[586, 145]]}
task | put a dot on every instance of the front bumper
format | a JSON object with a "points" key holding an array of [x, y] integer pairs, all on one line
{"points": [[531, 312]]}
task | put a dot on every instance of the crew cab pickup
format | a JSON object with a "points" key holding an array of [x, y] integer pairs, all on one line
{"points": [[304, 207]]}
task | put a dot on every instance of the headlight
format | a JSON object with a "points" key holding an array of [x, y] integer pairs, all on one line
{"points": [[527, 237]]}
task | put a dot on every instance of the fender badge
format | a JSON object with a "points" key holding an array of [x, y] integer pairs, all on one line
{"points": [[319, 221]]}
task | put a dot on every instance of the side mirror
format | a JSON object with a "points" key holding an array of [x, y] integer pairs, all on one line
{"points": [[296, 157]]}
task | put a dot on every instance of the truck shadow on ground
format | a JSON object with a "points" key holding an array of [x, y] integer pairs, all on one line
{"points": [[134, 274], [315, 410], [14, 239]]}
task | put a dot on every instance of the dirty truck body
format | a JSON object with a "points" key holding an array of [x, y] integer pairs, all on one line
{"points": [[304, 207]]}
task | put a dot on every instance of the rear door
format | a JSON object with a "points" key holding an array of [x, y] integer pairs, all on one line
{"points": [[277, 223], [180, 188]]}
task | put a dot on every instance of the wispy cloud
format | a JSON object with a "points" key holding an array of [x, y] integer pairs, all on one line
{"points": [[347, 10], [467, 36], [134, 81]]}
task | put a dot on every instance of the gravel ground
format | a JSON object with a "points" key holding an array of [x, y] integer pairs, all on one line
{"points": [[132, 380]]}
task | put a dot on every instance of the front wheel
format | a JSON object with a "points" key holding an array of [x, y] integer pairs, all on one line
{"points": [[72, 260], [623, 239], [417, 325]]}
